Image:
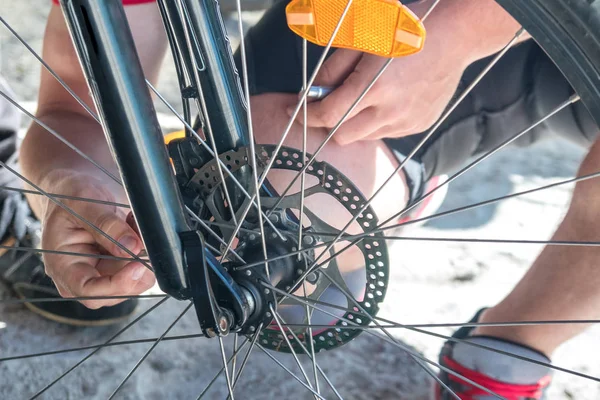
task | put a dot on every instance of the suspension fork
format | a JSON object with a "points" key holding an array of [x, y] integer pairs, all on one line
{"points": [[197, 35], [114, 73], [200, 44]]}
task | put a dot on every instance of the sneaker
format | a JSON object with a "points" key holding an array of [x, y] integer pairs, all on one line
{"points": [[506, 376], [23, 272]]}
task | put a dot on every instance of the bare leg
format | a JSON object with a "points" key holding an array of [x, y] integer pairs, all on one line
{"points": [[368, 164], [564, 282]]}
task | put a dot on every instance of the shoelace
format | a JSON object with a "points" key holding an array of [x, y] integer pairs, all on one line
{"points": [[14, 217], [508, 391], [16, 221]]}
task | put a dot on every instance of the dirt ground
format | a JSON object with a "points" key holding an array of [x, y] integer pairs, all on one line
{"points": [[429, 282]]}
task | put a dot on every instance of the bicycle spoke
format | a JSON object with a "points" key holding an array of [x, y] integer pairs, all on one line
{"points": [[308, 335], [76, 215], [430, 10], [304, 93], [252, 155], [440, 325], [331, 133], [6, 302], [66, 253], [227, 376], [62, 196], [357, 238], [311, 356], [95, 346], [99, 348], [214, 379], [493, 241], [304, 144], [150, 350], [234, 361], [292, 351], [50, 70], [457, 240], [237, 377], [286, 369], [59, 137]]}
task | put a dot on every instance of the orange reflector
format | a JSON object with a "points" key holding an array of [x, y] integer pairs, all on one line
{"points": [[382, 27]]}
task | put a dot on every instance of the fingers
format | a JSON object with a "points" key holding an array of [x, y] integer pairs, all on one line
{"points": [[337, 67], [89, 276], [328, 112], [358, 127], [83, 279], [131, 279], [108, 223], [92, 277]]}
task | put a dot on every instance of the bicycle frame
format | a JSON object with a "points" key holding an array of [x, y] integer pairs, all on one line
{"points": [[107, 53]]}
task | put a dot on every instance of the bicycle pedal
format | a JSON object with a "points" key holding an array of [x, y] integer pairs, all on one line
{"points": [[382, 27]]}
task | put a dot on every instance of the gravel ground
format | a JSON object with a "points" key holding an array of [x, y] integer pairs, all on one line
{"points": [[430, 282]]}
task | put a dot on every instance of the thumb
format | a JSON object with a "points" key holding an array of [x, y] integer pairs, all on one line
{"points": [[328, 112], [111, 231]]}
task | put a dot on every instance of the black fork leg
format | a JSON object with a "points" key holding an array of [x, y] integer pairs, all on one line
{"points": [[106, 49]]}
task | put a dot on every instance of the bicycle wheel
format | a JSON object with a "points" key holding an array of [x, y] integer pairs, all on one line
{"points": [[568, 31]]}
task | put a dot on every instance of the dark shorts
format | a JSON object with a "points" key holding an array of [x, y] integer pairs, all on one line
{"points": [[522, 88]]}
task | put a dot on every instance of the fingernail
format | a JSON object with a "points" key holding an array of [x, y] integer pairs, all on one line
{"points": [[129, 242], [138, 272], [289, 111]]}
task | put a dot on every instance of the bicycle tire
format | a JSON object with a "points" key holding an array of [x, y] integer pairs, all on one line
{"points": [[569, 32]]}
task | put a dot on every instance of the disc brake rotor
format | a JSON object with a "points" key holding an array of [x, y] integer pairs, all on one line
{"points": [[332, 283]]}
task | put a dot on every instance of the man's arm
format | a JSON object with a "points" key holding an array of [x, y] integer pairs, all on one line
{"points": [[42, 155], [57, 169]]}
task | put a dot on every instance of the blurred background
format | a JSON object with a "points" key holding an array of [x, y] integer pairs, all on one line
{"points": [[430, 282]]}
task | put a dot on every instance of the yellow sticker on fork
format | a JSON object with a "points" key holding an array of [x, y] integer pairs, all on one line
{"points": [[382, 27], [174, 135]]}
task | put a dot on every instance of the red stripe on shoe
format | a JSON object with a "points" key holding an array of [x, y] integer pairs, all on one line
{"points": [[508, 391]]}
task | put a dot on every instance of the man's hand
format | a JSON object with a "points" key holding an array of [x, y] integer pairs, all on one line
{"points": [[408, 98], [414, 91], [77, 276]]}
